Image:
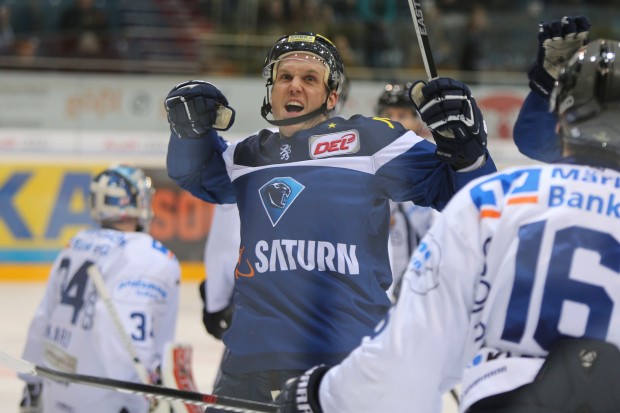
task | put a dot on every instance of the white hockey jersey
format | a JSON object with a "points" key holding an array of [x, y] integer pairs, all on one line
{"points": [[408, 224], [72, 330], [221, 254], [516, 261]]}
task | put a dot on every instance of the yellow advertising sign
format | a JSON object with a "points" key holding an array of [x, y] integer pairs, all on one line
{"points": [[41, 208]]}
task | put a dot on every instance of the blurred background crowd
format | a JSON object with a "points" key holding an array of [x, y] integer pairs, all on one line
{"points": [[222, 37]]}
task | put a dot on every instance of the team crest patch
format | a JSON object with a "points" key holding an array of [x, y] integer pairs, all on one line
{"points": [[285, 152], [277, 196], [340, 143]]}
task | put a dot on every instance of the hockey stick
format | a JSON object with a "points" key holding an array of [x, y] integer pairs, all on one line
{"points": [[164, 393], [97, 279], [95, 275], [425, 46], [455, 396]]}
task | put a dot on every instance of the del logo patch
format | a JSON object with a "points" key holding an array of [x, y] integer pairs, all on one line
{"points": [[277, 196], [333, 144]]}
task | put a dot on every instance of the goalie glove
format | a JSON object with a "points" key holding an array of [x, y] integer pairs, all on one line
{"points": [[195, 107], [31, 400], [454, 119], [301, 394], [557, 42]]}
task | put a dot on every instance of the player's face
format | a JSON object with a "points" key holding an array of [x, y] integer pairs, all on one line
{"points": [[299, 88], [406, 116]]}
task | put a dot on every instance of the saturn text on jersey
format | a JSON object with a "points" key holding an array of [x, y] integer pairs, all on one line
{"points": [[290, 254]]}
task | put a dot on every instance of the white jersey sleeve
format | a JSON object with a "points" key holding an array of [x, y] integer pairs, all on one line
{"points": [[73, 331], [395, 371], [221, 255], [518, 260]]}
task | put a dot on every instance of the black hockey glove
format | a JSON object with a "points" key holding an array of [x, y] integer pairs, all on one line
{"points": [[454, 119], [301, 394], [216, 323], [557, 42], [195, 107], [31, 400]]}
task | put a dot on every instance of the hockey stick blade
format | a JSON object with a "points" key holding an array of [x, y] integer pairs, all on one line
{"points": [[221, 402], [421, 32]]}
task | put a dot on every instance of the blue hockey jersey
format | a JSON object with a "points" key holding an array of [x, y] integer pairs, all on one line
{"points": [[313, 264]]}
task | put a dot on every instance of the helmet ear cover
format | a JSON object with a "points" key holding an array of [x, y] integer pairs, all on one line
{"points": [[586, 98]]}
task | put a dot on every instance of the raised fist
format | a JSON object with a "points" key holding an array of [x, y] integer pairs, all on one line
{"points": [[454, 119], [557, 43], [195, 107]]}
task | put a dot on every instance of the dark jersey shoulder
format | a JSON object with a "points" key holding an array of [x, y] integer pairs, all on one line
{"points": [[335, 137]]}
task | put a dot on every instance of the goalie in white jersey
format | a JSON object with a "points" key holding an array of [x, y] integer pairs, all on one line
{"points": [[73, 330], [513, 291]]}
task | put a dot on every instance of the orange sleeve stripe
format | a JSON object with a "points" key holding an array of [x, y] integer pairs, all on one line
{"points": [[486, 213], [523, 200]]}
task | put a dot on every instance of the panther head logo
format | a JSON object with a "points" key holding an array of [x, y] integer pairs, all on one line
{"points": [[278, 193]]}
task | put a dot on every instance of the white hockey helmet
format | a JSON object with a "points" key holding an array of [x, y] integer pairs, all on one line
{"points": [[119, 192]]}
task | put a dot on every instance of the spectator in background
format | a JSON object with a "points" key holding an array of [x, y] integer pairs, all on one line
{"points": [[26, 20], [349, 55], [7, 35], [346, 18], [452, 6], [344, 9], [473, 55], [84, 30], [17, 35], [273, 15], [379, 42]]}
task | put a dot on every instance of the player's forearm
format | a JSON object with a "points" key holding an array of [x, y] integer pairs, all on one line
{"points": [[197, 166], [534, 131]]}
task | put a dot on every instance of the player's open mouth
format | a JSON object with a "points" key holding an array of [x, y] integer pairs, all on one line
{"points": [[294, 107]]}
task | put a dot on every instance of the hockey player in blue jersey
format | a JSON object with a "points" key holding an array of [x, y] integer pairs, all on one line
{"points": [[313, 266], [513, 290], [534, 130], [220, 256]]}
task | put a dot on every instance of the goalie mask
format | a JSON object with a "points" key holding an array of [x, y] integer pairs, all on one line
{"points": [[122, 192], [586, 99], [303, 45]]}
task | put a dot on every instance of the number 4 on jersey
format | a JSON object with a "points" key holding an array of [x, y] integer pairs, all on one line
{"points": [[72, 293]]}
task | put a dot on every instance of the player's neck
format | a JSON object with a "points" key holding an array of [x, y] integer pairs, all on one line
{"points": [[288, 131]]}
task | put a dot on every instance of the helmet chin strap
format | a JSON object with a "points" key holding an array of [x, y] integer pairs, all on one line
{"points": [[266, 109]]}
